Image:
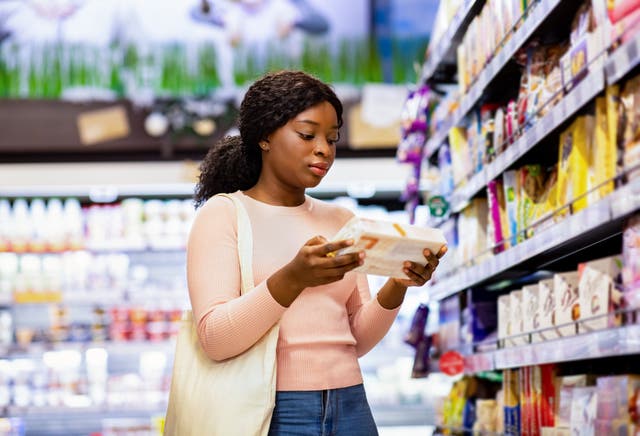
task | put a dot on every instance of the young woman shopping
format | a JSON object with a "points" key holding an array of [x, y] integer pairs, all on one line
{"points": [[289, 124]]}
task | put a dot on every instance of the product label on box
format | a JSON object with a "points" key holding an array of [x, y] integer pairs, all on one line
{"points": [[565, 288]]}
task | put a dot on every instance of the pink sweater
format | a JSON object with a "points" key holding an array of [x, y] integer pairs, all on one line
{"points": [[322, 333]]}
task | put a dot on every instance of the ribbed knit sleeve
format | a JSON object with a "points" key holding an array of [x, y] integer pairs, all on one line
{"points": [[369, 321], [227, 325]]}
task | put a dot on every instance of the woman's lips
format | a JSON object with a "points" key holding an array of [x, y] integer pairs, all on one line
{"points": [[319, 169]]}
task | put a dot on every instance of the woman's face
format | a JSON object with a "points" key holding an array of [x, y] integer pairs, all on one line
{"points": [[301, 152]]}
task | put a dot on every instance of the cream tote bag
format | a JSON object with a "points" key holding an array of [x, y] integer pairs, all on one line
{"points": [[234, 397]]}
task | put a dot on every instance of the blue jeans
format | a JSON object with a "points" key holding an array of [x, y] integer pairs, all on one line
{"points": [[331, 412]]}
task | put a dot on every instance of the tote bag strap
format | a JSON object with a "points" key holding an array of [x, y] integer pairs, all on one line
{"points": [[245, 244]]}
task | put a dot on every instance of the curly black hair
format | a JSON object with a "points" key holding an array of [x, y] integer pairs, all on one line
{"points": [[235, 162]]}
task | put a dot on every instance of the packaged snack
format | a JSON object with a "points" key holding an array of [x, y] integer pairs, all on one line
{"points": [[631, 262], [618, 9], [573, 163], [388, 245], [565, 289], [600, 293], [516, 309], [504, 317], [603, 163], [542, 213], [544, 318], [511, 386], [530, 306], [460, 156], [532, 185], [629, 126], [497, 227], [565, 389], [511, 196], [584, 403], [618, 400]]}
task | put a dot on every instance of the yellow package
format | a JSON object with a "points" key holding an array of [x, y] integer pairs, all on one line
{"points": [[604, 152], [460, 156], [613, 102], [630, 127], [532, 180], [573, 164]]}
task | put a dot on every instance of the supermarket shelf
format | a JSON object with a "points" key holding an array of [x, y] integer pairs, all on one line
{"points": [[445, 46], [593, 345], [536, 16], [132, 347], [571, 233], [579, 96], [81, 421], [623, 60], [102, 410]]}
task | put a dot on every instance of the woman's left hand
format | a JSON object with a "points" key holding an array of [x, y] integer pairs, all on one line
{"points": [[419, 274]]}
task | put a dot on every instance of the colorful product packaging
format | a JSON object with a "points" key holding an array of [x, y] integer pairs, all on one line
{"points": [[631, 262], [544, 318], [565, 288], [600, 293]]}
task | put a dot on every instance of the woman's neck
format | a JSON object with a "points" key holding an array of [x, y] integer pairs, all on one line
{"points": [[276, 197]]}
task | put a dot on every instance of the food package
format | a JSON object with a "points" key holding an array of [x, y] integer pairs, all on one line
{"points": [[388, 245]]}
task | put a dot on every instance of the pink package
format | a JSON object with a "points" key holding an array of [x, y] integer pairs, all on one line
{"points": [[631, 262]]}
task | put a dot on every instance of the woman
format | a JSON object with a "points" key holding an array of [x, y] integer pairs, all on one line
{"points": [[289, 124]]}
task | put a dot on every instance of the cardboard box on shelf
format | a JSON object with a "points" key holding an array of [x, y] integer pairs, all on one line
{"points": [[565, 288], [544, 320], [599, 295]]}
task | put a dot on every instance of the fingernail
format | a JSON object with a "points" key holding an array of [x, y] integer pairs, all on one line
{"points": [[427, 252], [361, 255], [350, 241], [407, 264]]}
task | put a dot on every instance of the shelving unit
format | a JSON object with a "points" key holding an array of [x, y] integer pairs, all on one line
{"points": [[537, 13], [624, 59], [573, 232], [579, 96], [443, 53], [557, 242]]}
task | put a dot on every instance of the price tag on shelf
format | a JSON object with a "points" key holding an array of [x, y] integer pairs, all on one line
{"points": [[491, 69], [547, 124], [510, 154], [632, 52], [502, 58]]}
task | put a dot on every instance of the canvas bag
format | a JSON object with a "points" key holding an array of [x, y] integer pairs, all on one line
{"points": [[234, 397]]}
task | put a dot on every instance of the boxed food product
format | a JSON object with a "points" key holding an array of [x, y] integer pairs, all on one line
{"points": [[544, 320], [504, 317], [388, 245], [565, 288], [583, 411], [516, 310], [631, 262], [530, 303], [618, 399], [565, 388], [600, 294]]}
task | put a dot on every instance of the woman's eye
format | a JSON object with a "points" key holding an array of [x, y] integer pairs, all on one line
{"points": [[306, 137]]}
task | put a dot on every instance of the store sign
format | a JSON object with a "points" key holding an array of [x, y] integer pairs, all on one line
{"points": [[452, 363], [438, 206]]}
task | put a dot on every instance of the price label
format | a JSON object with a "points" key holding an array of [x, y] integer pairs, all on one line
{"points": [[491, 70], [451, 363], [632, 52], [547, 124]]}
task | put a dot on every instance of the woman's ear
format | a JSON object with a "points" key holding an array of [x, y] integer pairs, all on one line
{"points": [[264, 145]]}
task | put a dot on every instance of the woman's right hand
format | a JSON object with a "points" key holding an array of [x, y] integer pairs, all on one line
{"points": [[313, 266]]}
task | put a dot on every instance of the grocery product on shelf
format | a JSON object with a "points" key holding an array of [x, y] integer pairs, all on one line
{"points": [[555, 160]]}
